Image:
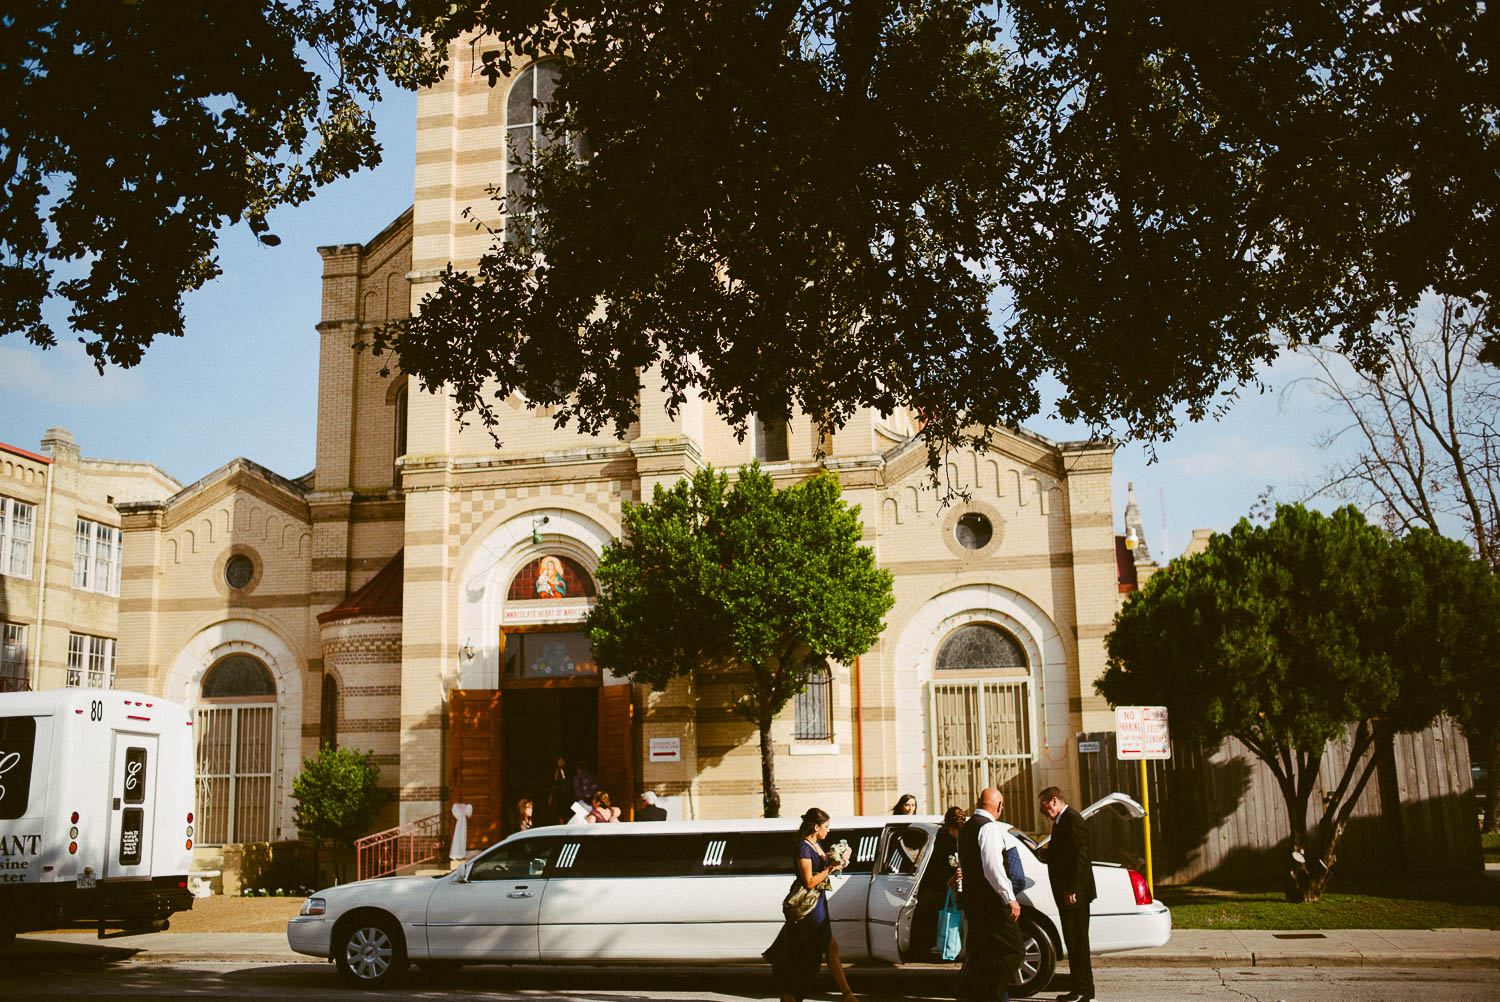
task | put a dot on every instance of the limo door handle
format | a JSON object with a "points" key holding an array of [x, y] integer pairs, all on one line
{"points": [[519, 892], [900, 888]]}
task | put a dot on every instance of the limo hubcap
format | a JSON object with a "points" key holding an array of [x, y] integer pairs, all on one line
{"points": [[1031, 960], [369, 952]]}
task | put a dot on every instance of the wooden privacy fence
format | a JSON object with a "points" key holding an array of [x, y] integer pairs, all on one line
{"points": [[1220, 816]]}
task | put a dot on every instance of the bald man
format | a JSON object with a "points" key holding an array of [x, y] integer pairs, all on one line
{"points": [[989, 902]]}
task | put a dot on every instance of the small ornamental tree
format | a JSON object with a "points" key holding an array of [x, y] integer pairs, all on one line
{"points": [[1284, 635], [337, 798], [762, 583]]}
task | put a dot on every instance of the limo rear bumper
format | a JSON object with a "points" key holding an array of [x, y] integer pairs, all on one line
{"points": [[1149, 926], [310, 935]]}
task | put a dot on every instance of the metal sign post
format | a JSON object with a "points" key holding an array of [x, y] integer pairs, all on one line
{"points": [[1141, 734]]}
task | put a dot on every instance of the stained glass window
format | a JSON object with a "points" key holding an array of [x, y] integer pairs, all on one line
{"points": [[981, 647]]}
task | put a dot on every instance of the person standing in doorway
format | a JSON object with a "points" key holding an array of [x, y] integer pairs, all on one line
{"points": [[650, 809], [1070, 869], [995, 951], [560, 799]]}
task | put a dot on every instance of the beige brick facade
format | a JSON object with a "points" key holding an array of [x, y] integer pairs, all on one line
{"points": [[467, 513]]}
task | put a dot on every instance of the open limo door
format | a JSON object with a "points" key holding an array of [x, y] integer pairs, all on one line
{"points": [[905, 851]]}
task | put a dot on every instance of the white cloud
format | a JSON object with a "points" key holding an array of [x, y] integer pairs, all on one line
{"points": [[65, 377]]}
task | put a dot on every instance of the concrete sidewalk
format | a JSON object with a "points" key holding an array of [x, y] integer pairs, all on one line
{"points": [[1187, 948]]}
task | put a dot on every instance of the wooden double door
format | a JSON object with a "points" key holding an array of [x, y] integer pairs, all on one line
{"points": [[503, 745]]}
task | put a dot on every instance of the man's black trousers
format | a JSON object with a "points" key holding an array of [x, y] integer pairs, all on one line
{"points": [[994, 955], [1075, 931]]}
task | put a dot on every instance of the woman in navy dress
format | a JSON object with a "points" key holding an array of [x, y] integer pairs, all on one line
{"points": [[801, 946]]}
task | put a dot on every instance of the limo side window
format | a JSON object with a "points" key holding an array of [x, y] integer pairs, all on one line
{"points": [[762, 853], [522, 858], [903, 849], [863, 843], [773, 852], [646, 856]]}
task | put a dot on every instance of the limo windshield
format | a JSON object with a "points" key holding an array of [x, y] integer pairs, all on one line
{"points": [[755, 853]]}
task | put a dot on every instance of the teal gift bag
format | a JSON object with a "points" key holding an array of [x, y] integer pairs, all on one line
{"points": [[950, 937]]}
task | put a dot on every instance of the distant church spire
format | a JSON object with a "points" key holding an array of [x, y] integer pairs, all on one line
{"points": [[1135, 531]]}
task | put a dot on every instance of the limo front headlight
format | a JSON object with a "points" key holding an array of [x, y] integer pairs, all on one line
{"points": [[314, 906]]}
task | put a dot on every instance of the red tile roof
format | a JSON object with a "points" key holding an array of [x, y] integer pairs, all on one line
{"points": [[381, 595]]}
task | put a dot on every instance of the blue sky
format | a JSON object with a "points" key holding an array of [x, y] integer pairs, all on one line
{"points": [[243, 381]]}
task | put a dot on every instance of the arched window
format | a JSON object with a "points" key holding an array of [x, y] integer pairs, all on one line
{"points": [[812, 708], [524, 107], [236, 733], [400, 424], [981, 716], [328, 721], [981, 647], [550, 577]]}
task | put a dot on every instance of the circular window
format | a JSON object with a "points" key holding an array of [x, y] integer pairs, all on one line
{"points": [[973, 531], [238, 571]]}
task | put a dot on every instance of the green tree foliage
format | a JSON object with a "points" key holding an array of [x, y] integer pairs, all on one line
{"points": [[1284, 635], [337, 797], [814, 202], [756, 583], [839, 204], [133, 131]]}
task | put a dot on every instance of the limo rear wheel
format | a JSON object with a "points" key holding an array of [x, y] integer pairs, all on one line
{"points": [[1038, 962], [369, 950]]}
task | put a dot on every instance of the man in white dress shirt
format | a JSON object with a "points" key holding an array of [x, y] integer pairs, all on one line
{"points": [[989, 901]]}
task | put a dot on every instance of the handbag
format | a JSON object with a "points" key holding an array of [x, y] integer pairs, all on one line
{"points": [[801, 900], [950, 937]]}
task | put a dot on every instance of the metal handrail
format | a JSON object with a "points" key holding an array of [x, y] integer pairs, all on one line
{"points": [[384, 853]]}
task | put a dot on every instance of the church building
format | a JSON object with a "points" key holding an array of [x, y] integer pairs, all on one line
{"points": [[421, 592]]}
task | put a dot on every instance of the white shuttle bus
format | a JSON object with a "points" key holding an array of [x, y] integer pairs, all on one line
{"points": [[694, 892], [96, 809]]}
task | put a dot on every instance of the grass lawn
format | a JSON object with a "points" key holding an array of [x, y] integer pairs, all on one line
{"points": [[1446, 902], [1491, 841]]}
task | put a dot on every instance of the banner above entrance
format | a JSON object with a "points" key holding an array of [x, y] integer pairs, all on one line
{"points": [[565, 610]]}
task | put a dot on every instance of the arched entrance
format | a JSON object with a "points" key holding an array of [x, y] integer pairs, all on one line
{"points": [[533, 694]]}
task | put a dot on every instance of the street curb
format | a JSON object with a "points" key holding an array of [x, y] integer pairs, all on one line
{"points": [[1297, 960]]}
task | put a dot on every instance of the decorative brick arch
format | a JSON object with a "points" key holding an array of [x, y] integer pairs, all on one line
{"points": [[917, 646], [492, 558], [243, 636]]}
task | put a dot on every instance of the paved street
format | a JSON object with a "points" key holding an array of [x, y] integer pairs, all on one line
{"points": [[79, 975]]}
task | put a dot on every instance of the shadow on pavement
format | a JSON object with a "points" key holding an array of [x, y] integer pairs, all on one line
{"points": [[25, 957]]}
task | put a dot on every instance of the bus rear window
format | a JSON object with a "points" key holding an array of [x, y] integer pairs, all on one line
{"points": [[17, 746]]}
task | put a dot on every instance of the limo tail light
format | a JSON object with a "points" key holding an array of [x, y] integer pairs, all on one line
{"points": [[1141, 888], [314, 906]]}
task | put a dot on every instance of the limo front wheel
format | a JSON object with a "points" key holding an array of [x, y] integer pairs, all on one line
{"points": [[1038, 961], [369, 950]]}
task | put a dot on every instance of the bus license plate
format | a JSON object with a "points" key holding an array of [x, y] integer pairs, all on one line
{"points": [[85, 881]]}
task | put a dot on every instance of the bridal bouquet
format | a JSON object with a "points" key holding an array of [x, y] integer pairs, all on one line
{"points": [[840, 852]]}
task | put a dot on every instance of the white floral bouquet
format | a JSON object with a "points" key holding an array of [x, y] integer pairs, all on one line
{"points": [[840, 853]]}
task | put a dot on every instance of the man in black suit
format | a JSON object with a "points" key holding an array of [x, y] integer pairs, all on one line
{"points": [[650, 809], [1070, 869], [989, 902]]}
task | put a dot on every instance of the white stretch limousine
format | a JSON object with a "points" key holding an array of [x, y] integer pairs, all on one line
{"points": [[689, 892]]}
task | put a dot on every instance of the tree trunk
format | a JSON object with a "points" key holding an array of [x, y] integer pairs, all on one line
{"points": [[1492, 787], [770, 796], [1300, 885]]}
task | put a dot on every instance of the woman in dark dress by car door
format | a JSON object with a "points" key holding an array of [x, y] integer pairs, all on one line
{"points": [[801, 946]]}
